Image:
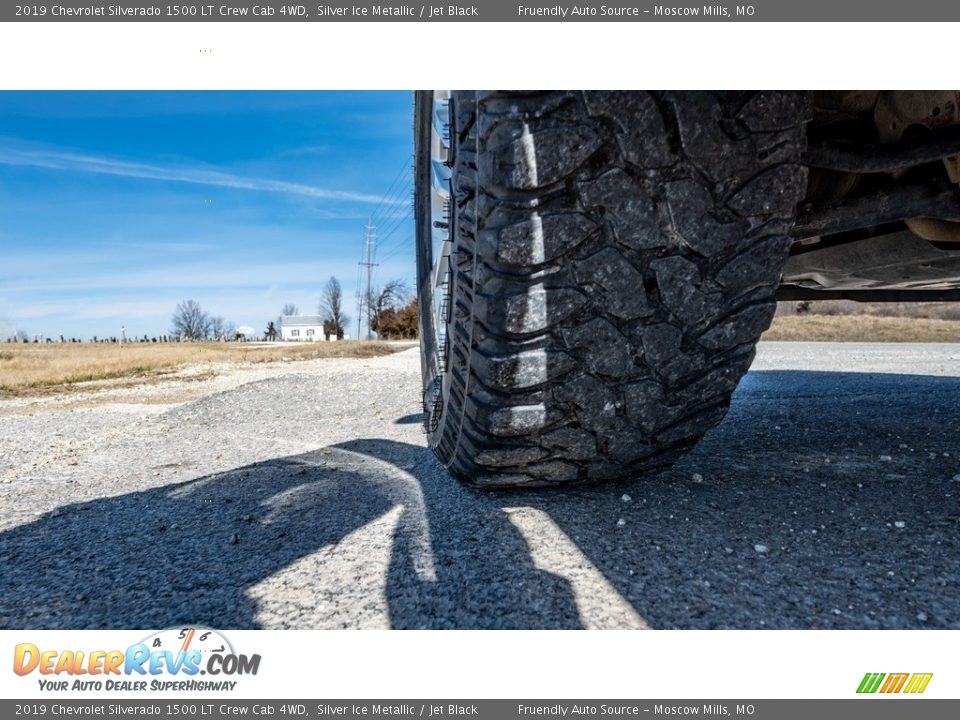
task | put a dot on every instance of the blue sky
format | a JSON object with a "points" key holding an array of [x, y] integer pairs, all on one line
{"points": [[114, 206]]}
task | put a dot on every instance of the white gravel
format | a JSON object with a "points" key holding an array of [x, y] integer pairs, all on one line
{"points": [[302, 496]]}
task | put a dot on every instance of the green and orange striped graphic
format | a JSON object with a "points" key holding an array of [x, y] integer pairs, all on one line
{"points": [[913, 683]]}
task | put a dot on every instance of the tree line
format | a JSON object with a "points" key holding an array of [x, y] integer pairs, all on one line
{"points": [[390, 311], [191, 322]]}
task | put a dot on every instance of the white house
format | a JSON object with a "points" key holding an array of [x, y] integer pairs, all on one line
{"points": [[302, 328]]}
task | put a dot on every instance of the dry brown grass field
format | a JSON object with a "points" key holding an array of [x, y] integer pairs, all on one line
{"points": [[40, 369], [862, 328], [31, 369]]}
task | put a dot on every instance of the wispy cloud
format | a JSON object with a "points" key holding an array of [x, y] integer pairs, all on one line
{"points": [[306, 151], [211, 274], [76, 162], [173, 247]]}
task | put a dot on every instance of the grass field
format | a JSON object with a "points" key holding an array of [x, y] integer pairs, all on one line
{"points": [[28, 369], [862, 328]]}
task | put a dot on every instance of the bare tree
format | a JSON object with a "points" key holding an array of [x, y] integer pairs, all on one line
{"points": [[216, 327], [190, 321], [271, 333], [221, 329], [391, 296], [11, 333], [331, 306], [289, 309]]}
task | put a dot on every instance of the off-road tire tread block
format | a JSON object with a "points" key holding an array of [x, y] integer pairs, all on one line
{"points": [[615, 261]]}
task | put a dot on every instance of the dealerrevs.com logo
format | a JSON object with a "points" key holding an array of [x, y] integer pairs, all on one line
{"points": [[182, 653], [911, 683]]}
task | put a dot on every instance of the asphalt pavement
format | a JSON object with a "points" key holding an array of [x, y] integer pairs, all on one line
{"points": [[828, 498]]}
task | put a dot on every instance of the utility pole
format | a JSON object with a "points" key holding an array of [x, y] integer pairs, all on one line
{"points": [[369, 264]]}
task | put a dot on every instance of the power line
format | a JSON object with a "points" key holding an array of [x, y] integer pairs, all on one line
{"points": [[407, 166], [371, 239], [399, 249], [397, 245], [392, 193], [407, 162], [385, 212], [359, 296], [397, 224], [397, 206]]}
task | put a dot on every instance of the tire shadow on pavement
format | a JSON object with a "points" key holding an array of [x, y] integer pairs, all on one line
{"points": [[322, 539], [823, 500]]}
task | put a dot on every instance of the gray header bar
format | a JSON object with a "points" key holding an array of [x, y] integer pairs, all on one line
{"points": [[210, 707], [299, 11]]}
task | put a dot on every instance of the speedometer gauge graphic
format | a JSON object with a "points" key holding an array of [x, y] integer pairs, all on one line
{"points": [[182, 639]]}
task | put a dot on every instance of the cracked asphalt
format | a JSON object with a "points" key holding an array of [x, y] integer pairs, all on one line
{"points": [[302, 496]]}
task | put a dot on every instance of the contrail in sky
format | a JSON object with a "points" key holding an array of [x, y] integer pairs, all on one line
{"points": [[74, 162]]}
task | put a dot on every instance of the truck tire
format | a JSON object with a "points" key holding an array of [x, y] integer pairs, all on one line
{"points": [[613, 259]]}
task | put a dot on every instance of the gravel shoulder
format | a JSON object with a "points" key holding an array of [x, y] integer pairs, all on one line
{"points": [[301, 496]]}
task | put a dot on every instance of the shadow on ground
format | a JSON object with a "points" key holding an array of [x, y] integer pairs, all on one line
{"points": [[823, 500]]}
